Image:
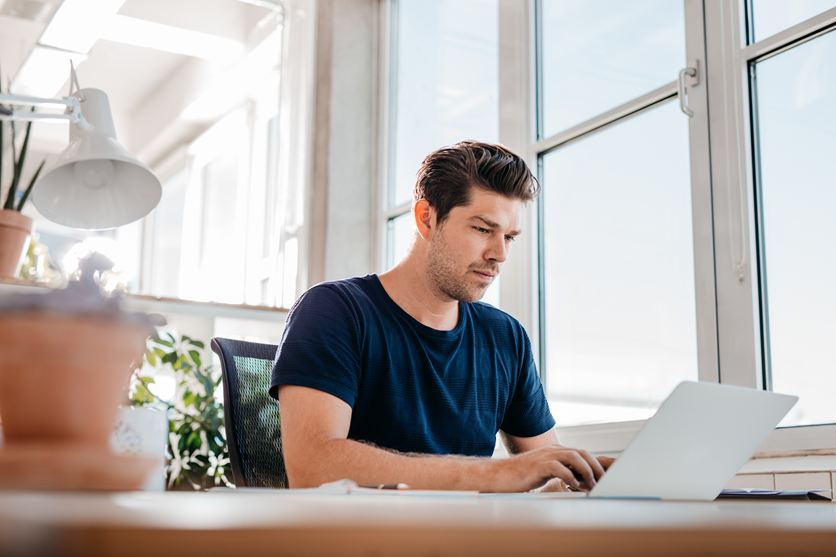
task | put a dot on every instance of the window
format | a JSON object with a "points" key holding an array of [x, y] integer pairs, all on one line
{"points": [[768, 17], [670, 246], [617, 290], [224, 230], [619, 269], [597, 55], [167, 241], [444, 88], [794, 104]]}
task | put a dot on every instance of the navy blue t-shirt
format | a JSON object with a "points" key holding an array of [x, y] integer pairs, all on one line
{"points": [[413, 388]]}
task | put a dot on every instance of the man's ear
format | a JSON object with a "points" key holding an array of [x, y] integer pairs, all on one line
{"points": [[424, 216]]}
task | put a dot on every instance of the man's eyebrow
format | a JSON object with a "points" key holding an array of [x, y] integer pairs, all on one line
{"points": [[492, 225]]}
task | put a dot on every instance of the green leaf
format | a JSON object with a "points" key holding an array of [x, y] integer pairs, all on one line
{"points": [[198, 344], [170, 358], [159, 352], [195, 357], [18, 167], [151, 358], [146, 380], [164, 342], [31, 185], [142, 396], [207, 384]]}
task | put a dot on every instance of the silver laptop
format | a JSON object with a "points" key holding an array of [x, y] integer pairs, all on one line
{"points": [[695, 443]]}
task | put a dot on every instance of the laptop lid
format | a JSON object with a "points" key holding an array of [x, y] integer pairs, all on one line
{"points": [[695, 443]]}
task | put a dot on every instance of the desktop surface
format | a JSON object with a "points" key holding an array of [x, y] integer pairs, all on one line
{"points": [[283, 523]]}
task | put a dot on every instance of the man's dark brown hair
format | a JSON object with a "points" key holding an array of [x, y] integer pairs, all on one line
{"points": [[447, 176]]}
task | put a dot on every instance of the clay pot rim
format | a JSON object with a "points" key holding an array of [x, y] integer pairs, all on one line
{"points": [[10, 218], [86, 316]]}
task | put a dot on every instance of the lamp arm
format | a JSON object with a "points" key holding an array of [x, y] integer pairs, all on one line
{"points": [[72, 104]]}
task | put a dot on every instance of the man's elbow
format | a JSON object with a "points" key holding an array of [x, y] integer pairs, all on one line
{"points": [[308, 467], [300, 473]]}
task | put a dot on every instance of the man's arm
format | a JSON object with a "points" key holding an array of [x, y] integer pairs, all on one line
{"points": [[316, 450]]}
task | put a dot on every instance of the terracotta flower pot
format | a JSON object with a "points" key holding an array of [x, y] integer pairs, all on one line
{"points": [[62, 378], [15, 230]]}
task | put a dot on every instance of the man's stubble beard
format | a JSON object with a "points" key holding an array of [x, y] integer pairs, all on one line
{"points": [[442, 267]]}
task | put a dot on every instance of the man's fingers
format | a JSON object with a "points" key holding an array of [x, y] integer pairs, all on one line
{"points": [[558, 470], [579, 466], [597, 469]]}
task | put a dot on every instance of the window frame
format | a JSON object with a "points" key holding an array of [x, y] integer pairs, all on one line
{"points": [[614, 437], [728, 286]]}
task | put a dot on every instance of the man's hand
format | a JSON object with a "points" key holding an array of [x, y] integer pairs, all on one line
{"points": [[530, 470], [548, 440]]}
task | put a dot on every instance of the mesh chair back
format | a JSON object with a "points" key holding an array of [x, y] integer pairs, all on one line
{"points": [[252, 420]]}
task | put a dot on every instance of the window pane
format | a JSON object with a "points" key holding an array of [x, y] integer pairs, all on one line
{"points": [[796, 111], [445, 81], [619, 270], [168, 238], [221, 261], [400, 234], [773, 16], [598, 54]]}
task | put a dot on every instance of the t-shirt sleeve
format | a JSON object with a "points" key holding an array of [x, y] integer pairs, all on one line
{"points": [[528, 413], [320, 346]]}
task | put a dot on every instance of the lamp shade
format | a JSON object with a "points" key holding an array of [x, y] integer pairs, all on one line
{"points": [[96, 183]]}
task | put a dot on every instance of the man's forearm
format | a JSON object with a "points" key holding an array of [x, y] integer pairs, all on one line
{"points": [[336, 459]]}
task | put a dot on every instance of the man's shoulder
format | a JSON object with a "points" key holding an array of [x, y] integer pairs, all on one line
{"points": [[352, 292], [350, 286], [491, 317]]}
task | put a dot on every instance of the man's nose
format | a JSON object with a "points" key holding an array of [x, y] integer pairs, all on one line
{"points": [[498, 250]]}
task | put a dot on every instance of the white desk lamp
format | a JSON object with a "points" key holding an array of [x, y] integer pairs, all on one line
{"points": [[95, 183]]}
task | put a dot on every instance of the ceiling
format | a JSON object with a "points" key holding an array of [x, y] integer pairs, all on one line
{"points": [[144, 70]]}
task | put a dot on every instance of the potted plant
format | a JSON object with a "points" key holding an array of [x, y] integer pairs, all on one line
{"points": [[198, 453], [15, 228], [65, 357]]}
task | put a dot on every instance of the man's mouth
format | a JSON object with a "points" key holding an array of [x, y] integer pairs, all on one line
{"points": [[484, 275]]}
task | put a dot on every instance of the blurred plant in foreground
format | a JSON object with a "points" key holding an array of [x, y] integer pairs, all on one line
{"points": [[38, 265]]}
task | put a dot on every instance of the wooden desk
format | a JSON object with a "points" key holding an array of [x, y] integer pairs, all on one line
{"points": [[235, 524]]}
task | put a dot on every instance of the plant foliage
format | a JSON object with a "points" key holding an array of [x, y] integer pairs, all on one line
{"points": [[198, 455], [18, 161], [37, 263]]}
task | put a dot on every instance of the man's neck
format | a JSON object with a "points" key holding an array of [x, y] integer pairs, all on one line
{"points": [[408, 286]]}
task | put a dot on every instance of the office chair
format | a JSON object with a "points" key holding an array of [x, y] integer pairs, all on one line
{"points": [[252, 420]]}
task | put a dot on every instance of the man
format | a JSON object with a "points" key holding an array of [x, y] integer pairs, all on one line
{"points": [[406, 377]]}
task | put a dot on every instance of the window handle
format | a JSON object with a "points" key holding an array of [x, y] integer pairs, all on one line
{"points": [[690, 71]]}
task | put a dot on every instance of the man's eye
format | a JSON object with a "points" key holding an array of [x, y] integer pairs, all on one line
{"points": [[509, 238], [478, 229]]}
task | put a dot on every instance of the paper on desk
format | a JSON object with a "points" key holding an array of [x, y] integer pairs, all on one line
{"points": [[349, 487]]}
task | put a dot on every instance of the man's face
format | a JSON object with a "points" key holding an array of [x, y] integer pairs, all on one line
{"points": [[468, 249]]}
